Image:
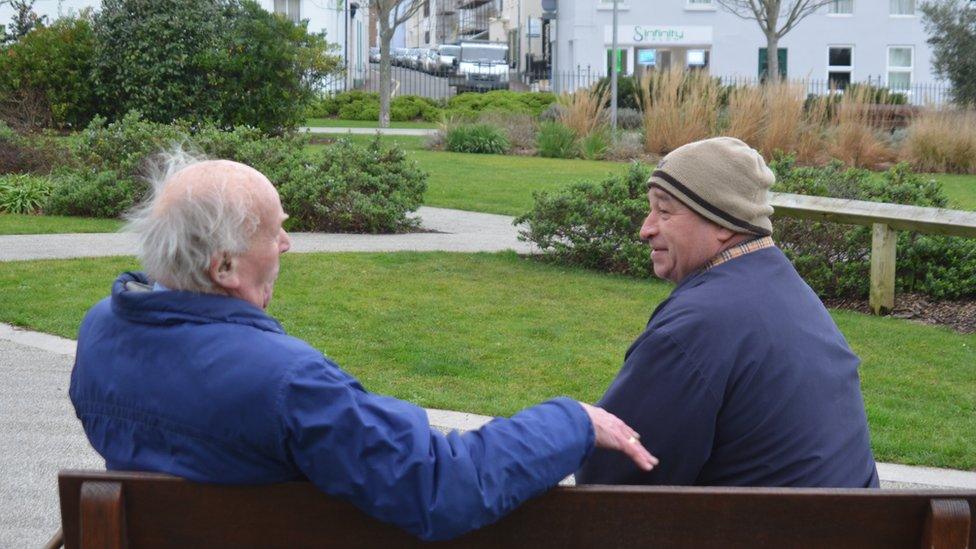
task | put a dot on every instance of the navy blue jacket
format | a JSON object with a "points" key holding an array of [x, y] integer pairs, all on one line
{"points": [[741, 378], [211, 389]]}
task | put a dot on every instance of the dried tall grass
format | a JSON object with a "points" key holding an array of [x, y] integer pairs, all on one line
{"points": [[854, 136], [770, 117], [810, 145], [679, 107], [942, 140], [583, 111]]}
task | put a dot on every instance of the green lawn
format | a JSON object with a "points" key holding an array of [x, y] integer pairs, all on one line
{"points": [[960, 188], [501, 184], [491, 333], [53, 224], [336, 123]]}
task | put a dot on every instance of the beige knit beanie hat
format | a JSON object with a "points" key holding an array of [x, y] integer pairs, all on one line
{"points": [[722, 179]]}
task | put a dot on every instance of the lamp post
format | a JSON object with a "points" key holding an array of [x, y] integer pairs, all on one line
{"points": [[613, 76]]}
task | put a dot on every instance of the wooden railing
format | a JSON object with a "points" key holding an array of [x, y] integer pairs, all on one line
{"points": [[886, 220]]}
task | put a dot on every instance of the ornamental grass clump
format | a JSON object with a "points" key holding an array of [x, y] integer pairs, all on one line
{"points": [[855, 133], [583, 111], [942, 140], [23, 194], [477, 138], [557, 141], [679, 107]]}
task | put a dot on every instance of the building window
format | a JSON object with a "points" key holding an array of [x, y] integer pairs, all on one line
{"points": [[902, 7], [427, 37], [840, 64], [841, 7], [699, 5], [900, 65], [291, 9], [426, 9], [764, 65], [697, 59]]}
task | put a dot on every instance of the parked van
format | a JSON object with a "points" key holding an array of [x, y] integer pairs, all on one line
{"points": [[482, 66]]}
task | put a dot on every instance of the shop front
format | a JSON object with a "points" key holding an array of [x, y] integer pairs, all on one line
{"points": [[643, 48]]}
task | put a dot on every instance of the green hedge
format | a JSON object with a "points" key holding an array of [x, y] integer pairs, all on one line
{"points": [[341, 188]]}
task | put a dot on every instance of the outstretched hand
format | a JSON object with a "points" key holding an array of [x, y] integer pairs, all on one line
{"points": [[613, 434]]}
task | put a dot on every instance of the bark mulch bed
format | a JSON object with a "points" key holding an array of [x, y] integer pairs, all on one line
{"points": [[958, 315]]}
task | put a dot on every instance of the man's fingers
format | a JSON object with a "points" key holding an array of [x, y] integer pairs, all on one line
{"points": [[612, 433]]}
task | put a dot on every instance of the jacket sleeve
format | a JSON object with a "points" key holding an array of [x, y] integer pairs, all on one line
{"points": [[663, 395], [382, 455]]}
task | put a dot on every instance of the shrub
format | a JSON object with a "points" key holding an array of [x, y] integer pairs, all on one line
{"points": [[23, 194], [556, 141], [595, 145], [91, 193], [594, 225], [49, 71], [229, 62], [28, 155], [521, 129], [413, 107], [627, 146], [834, 259], [552, 113], [942, 141], [122, 146], [351, 188], [477, 138], [629, 119], [469, 105], [627, 91]]}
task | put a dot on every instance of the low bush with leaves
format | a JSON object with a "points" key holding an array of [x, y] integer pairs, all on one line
{"points": [[477, 138], [594, 225], [23, 194], [354, 188], [36, 154], [470, 105], [92, 193], [834, 259], [520, 128], [361, 105], [557, 141]]}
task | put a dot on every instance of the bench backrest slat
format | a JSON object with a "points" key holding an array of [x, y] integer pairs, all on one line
{"points": [[162, 511]]}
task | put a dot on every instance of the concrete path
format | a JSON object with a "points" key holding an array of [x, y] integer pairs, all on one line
{"points": [[421, 132], [451, 231]]}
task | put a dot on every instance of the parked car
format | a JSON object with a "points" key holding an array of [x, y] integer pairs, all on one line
{"points": [[430, 61], [374, 55], [399, 57], [448, 56], [414, 59], [483, 66]]}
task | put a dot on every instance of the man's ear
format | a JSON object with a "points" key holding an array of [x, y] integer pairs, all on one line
{"points": [[724, 235], [223, 271]]}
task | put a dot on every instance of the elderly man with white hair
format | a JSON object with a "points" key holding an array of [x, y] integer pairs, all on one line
{"points": [[181, 371]]}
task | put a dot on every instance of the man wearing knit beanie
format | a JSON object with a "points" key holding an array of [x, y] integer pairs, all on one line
{"points": [[741, 378]]}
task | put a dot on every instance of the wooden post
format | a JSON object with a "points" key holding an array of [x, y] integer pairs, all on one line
{"points": [[883, 240]]}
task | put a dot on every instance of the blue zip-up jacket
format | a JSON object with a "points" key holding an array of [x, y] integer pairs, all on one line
{"points": [[741, 378], [211, 389]]}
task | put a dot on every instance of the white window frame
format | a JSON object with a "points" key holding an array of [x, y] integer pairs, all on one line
{"points": [[607, 5], [700, 5], [840, 68], [904, 15], [889, 69], [831, 13]]}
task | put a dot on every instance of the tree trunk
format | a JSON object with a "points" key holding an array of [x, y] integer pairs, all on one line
{"points": [[772, 57], [386, 76]]}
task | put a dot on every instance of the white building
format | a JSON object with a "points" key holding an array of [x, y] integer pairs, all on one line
{"points": [[847, 41], [344, 23]]}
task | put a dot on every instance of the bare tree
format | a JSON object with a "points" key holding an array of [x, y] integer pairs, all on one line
{"points": [[390, 14], [775, 18]]}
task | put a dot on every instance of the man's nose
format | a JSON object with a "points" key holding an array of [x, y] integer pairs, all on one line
{"points": [[649, 228], [284, 242]]}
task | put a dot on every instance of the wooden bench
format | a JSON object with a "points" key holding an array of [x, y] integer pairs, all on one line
{"points": [[108, 510]]}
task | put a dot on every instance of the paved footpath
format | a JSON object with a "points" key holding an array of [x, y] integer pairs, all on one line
{"points": [[421, 132], [39, 433]]}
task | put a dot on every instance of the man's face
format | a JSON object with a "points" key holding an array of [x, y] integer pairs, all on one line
{"points": [[257, 268], [681, 240]]}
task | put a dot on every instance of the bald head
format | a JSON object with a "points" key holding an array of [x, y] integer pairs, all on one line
{"points": [[203, 217]]}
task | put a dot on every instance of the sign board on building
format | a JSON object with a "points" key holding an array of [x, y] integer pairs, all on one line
{"points": [[637, 35], [647, 57]]}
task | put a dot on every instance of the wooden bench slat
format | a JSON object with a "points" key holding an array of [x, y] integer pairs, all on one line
{"points": [[947, 524], [162, 511]]}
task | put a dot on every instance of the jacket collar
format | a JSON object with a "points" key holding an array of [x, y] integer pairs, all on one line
{"points": [[133, 299]]}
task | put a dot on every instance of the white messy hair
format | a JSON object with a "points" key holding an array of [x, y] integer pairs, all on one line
{"points": [[176, 243]]}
